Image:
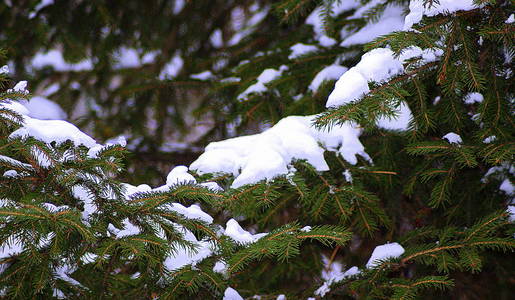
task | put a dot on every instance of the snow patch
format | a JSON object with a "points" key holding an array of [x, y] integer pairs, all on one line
{"points": [[472, 98], [376, 65], [301, 49], [291, 138], [231, 294], [386, 251], [193, 212], [400, 122], [128, 229], [172, 68], [332, 72], [20, 87], [240, 235], [179, 175], [265, 77], [391, 20], [418, 10], [184, 257], [53, 131], [333, 273], [54, 58], [206, 75], [453, 138], [44, 109]]}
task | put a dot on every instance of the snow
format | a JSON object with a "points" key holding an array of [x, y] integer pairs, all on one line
{"points": [[131, 58], [265, 77], [472, 98], [281, 297], [40, 6], [54, 58], [172, 68], [301, 49], [417, 9], [244, 26], [82, 194], [4, 69], [240, 235], [231, 294], [386, 251], [220, 267], [364, 8], [425, 55], [94, 150], [53, 209], [20, 87], [203, 75], [131, 190], [49, 90], [212, 186], [119, 140], [511, 213], [15, 106], [230, 80], [128, 229], [489, 139], [379, 65], [332, 72], [53, 131], [63, 271], [306, 229], [178, 5], [339, 7], [315, 20], [321, 291], [376, 65], [400, 122], [89, 257], [10, 249], [10, 173], [293, 137], [217, 39], [14, 162], [44, 109], [126, 58], [183, 257], [452, 138], [193, 212], [179, 175], [504, 168], [502, 173], [391, 20], [510, 19], [333, 273], [348, 176], [507, 187]]}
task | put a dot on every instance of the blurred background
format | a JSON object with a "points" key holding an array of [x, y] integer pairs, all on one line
{"points": [[166, 75], [128, 68]]}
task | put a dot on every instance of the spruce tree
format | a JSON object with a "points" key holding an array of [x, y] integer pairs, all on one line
{"points": [[436, 190], [401, 169]]}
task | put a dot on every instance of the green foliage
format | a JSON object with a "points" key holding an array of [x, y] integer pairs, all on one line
{"points": [[440, 200], [62, 210], [433, 196]]}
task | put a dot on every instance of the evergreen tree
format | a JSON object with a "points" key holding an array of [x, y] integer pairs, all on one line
{"points": [[128, 67], [402, 170], [71, 230]]}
